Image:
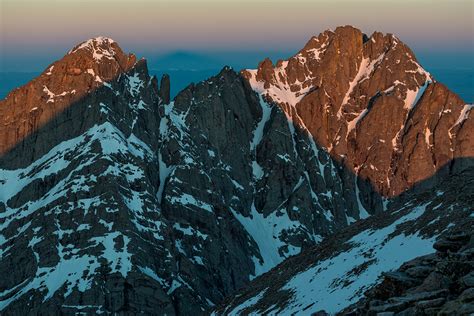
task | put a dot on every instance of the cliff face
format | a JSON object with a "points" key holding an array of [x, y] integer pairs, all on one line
{"points": [[371, 105]]}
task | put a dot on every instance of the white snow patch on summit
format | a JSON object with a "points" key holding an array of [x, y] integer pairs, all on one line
{"points": [[100, 47]]}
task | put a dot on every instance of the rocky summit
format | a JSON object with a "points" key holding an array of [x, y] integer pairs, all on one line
{"points": [[81, 71], [322, 172], [369, 103]]}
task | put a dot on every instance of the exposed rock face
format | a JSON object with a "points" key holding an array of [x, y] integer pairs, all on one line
{"points": [[335, 274], [371, 105], [77, 198], [437, 284], [256, 168]]}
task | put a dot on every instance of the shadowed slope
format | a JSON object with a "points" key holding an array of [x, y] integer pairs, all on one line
{"points": [[337, 272]]}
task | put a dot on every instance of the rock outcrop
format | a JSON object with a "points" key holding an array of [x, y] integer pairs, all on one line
{"points": [[441, 283], [165, 88]]}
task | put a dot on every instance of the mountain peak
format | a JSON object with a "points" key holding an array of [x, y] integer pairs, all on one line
{"points": [[101, 57], [87, 67], [340, 56], [350, 35], [101, 50], [100, 47], [343, 83]]}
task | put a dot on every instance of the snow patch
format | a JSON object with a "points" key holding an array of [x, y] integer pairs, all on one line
{"points": [[366, 67], [187, 199], [99, 47], [50, 94], [413, 96], [266, 232], [464, 115], [251, 302], [258, 133], [134, 84]]}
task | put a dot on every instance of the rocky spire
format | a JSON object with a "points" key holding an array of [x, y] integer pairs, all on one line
{"points": [[165, 89]]}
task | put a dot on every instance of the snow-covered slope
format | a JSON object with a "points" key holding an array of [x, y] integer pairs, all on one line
{"points": [[337, 273], [439, 283]]}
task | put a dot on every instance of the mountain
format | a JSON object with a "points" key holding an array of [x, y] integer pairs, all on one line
{"points": [[116, 199], [85, 68], [371, 105], [154, 203]]}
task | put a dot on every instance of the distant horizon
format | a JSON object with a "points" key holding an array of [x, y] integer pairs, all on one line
{"points": [[34, 61], [457, 74]]}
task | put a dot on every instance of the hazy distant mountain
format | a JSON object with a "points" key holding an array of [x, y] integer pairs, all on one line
{"points": [[116, 199]]}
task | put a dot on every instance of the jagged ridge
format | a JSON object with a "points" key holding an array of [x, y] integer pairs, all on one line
{"points": [[161, 207]]}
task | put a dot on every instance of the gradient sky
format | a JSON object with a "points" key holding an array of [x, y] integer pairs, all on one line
{"points": [[34, 33]]}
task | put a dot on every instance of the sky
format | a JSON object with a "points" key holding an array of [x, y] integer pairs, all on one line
{"points": [[36, 32]]}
